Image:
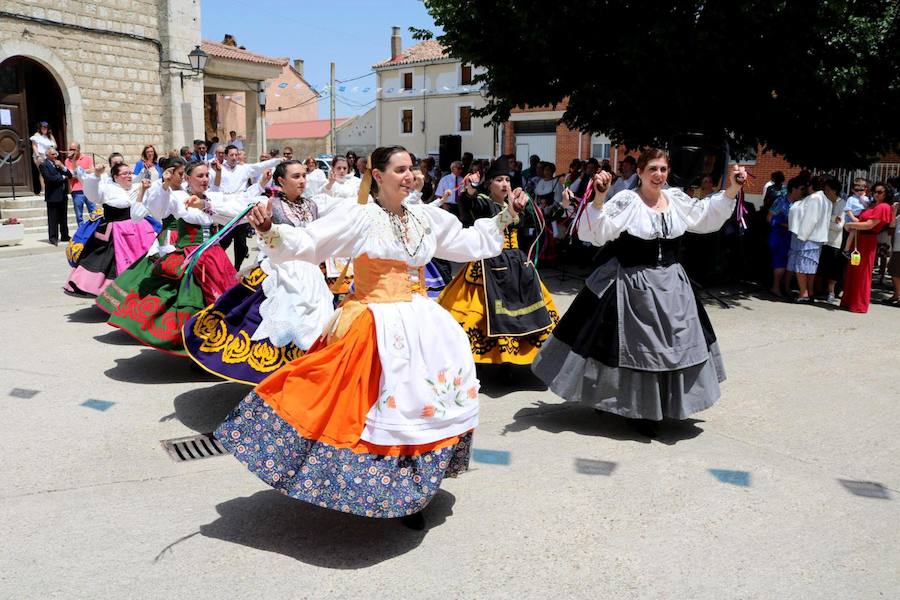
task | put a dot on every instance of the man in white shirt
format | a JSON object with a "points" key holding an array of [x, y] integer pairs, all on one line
{"points": [[234, 176], [231, 177], [233, 141], [627, 180], [453, 182]]}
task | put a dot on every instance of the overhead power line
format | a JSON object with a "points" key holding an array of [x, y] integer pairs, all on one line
{"points": [[370, 73]]}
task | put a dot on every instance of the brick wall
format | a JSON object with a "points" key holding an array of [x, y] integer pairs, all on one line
{"points": [[567, 147], [766, 164]]}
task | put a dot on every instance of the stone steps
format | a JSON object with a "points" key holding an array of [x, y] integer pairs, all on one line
{"points": [[31, 211]]}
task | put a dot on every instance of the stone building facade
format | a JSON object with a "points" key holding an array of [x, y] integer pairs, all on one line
{"points": [[117, 69]]}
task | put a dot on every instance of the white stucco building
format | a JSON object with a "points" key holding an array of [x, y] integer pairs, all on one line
{"points": [[423, 94]]}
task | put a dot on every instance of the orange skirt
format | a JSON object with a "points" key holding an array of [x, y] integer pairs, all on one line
{"points": [[300, 429]]}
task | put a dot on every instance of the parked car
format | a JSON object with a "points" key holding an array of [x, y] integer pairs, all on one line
{"points": [[323, 161]]}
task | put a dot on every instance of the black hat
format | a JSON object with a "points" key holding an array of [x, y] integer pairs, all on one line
{"points": [[499, 167]]}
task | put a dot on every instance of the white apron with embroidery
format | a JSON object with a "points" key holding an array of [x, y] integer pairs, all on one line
{"points": [[428, 388]]}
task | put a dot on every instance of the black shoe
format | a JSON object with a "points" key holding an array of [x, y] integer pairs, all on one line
{"points": [[54, 242], [65, 239], [646, 427], [415, 521]]}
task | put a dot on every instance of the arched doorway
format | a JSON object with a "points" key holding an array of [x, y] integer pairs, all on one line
{"points": [[28, 94]]}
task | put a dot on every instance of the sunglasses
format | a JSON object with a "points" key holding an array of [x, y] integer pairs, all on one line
{"points": [[859, 189]]}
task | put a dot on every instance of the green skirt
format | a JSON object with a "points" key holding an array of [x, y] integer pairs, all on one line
{"points": [[151, 302]]}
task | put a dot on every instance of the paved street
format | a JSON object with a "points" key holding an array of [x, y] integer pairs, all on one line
{"points": [[788, 488]]}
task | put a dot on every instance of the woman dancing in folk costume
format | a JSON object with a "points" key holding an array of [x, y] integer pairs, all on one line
{"points": [[383, 406], [501, 303], [152, 300], [341, 184], [437, 271], [278, 310], [636, 341], [104, 248]]}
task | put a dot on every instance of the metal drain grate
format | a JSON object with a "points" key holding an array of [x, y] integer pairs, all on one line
{"points": [[195, 447]]}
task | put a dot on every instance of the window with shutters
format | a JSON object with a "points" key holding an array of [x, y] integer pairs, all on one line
{"points": [[465, 118], [406, 121], [465, 75], [407, 81]]}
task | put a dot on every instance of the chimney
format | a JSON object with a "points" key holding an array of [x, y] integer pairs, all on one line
{"points": [[298, 65], [395, 42]]}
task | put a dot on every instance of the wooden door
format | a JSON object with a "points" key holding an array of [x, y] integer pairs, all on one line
{"points": [[15, 154]]}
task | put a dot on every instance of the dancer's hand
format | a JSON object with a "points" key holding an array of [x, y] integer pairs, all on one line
{"points": [[265, 178], [602, 181], [260, 216], [168, 177], [98, 170], [195, 202], [418, 180], [518, 200], [736, 181]]}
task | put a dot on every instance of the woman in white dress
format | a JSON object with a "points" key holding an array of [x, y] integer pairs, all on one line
{"points": [[383, 406], [342, 184], [41, 141], [636, 341], [315, 178], [103, 249], [278, 310]]}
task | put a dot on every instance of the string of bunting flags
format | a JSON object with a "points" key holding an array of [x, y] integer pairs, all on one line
{"points": [[391, 90]]}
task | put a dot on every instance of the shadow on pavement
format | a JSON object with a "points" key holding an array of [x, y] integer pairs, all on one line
{"points": [[584, 420], [152, 366], [203, 409], [499, 380], [567, 279], [272, 522], [116, 337], [88, 314]]}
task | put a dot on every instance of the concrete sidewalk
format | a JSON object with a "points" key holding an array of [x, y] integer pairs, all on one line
{"points": [[33, 243]]}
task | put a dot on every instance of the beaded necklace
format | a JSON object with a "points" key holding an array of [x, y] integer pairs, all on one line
{"points": [[400, 225], [299, 209]]}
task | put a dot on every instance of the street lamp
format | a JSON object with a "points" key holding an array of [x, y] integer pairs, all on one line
{"points": [[198, 59]]}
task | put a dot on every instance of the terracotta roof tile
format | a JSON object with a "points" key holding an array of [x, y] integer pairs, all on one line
{"points": [[230, 52], [421, 52]]}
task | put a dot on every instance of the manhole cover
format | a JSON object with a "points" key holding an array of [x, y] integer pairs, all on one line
{"points": [[195, 447]]}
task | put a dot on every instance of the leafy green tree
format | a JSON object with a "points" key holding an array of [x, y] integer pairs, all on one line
{"points": [[815, 81]]}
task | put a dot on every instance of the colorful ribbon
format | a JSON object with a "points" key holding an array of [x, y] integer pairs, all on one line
{"points": [[194, 256]]}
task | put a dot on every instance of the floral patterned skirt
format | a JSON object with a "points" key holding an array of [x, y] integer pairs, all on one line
{"points": [[301, 429], [464, 298]]}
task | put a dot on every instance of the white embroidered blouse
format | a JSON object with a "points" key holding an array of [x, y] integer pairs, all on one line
{"points": [[626, 212]]}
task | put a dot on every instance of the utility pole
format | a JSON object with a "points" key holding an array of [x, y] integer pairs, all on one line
{"points": [[333, 143]]}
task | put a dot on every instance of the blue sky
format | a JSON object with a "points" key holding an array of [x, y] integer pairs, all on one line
{"points": [[355, 34]]}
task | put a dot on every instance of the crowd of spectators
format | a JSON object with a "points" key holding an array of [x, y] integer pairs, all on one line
{"points": [[805, 242]]}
